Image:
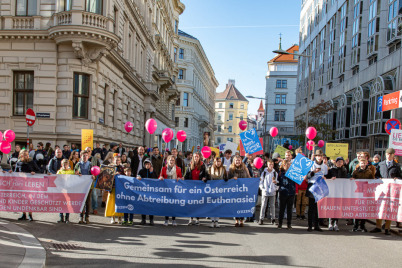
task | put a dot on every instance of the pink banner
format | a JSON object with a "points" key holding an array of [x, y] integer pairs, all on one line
{"points": [[20, 192], [362, 199]]}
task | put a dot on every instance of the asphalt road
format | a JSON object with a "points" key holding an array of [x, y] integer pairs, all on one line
{"points": [[101, 244]]}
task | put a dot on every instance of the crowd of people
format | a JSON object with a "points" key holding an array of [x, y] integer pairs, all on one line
{"points": [[275, 188]]}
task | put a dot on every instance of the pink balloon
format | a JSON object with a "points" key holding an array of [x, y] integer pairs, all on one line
{"points": [[5, 147], [1, 136], [258, 162], [242, 125], [206, 151], [320, 143], [128, 126], [311, 132], [95, 170], [9, 135], [167, 135], [290, 147], [273, 132], [151, 126], [181, 135], [310, 145]]}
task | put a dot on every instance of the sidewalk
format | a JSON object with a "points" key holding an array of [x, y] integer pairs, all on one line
{"points": [[18, 248]]}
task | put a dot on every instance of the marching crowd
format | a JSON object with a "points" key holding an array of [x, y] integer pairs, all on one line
{"points": [[143, 162]]}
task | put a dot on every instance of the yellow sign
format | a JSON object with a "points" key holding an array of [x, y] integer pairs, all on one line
{"points": [[192, 149], [334, 150], [87, 138], [281, 151], [216, 150]]}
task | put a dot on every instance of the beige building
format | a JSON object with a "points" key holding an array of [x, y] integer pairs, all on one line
{"points": [[230, 109], [197, 85], [88, 65]]}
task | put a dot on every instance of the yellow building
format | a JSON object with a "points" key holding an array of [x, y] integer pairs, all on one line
{"points": [[230, 109]]}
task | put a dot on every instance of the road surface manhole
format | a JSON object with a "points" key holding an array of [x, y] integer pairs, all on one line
{"points": [[62, 246]]}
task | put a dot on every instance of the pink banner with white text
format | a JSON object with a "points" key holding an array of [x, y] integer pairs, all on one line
{"points": [[362, 199], [21, 192]]}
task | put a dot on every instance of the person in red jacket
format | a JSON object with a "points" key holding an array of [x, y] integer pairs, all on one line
{"points": [[171, 171]]}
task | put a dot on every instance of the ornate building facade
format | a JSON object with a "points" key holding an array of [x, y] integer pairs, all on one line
{"points": [[91, 64]]}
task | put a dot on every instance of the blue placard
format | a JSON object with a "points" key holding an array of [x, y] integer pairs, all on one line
{"points": [[319, 189], [299, 168], [222, 146], [379, 104], [215, 198], [251, 142]]}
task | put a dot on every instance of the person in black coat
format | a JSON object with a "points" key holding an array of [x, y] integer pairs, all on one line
{"points": [[287, 192], [147, 173], [137, 161], [387, 169]]}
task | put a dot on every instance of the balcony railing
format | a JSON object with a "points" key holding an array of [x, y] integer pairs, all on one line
{"points": [[82, 18], [20, 23]]}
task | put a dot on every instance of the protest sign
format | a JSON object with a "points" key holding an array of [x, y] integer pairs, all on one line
{"points": [[281, 151], [299, 168], [234, 198], [21, 192], [395, 141], [362, 199], [319, 189], [216, 150], [243, 152], [105, 178], [334, 150], [87, 138], [231, 146], [250, 141]]}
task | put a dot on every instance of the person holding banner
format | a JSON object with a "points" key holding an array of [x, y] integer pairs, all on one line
{"points": [[26, 165], [287, 192], [83, 167], [148, 173], [269, 179], [387, 169], [65, 169], [171, 172], [238, 170], [110, 203], [197, 171], [217, 172]]}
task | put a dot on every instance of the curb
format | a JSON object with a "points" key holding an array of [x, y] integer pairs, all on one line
{"points": [[396, 232], [35, 254]]}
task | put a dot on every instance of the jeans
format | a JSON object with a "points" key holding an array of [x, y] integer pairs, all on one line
{"points": [[126, 216], [94, 199], [86, 207], [312, 213], [144, 217], [361, 223], [264, 203], [285, 201], [301, 203], [67, 215]]}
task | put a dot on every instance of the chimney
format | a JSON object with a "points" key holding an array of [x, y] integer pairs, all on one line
{"points": [[230, 82]]}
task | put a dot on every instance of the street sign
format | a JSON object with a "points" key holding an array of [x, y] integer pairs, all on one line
{"points": [[30, 117], [42, 115], [392, 124], [389, 102], [379, 104], [198, 147]]}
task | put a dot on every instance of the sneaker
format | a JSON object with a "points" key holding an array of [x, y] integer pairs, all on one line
{"points": [[87, 220], [190, 222], [241, 224], [318, 229], [197, 222], [217, 225], [151, 222], [376, 230], [23, 217], [297, 217], [273, 222], [112, 221], [81, 221], [280, 226], [143, 222], [130, 223], [387, 232], [290, 227], [303, 217], [309, 229], [364, 230], [212, 225], [336, 228], [174, 223], [30, 218], [330, 227], [61, 220], [124, 222], [354, 229], [67, 221], [260, 222], [166, 223]]}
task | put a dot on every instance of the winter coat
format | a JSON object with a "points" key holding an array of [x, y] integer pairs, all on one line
{"points": [[54, 164], [267, 185], [164, 173], [238, 173], [337, 173], [157, 163], [394, 171], [26, 167], [203, 173], [370, 166], [324, 167], [146, 174], [217, 176], [286, 185], [360, 173]]}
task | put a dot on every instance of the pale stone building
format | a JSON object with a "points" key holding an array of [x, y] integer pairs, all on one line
{"points": [[91, 64], [230, 108], [197, 85]]}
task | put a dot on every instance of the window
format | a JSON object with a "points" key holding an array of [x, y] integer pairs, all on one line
{"points": [[219, 128], [94, 6], [186, 122], [181, 53], [373, 28], [241, 116], [115, 20], [230, 129], [175, 54], [230, 116], [392, 31], [23, 92], [220, 105], [26, 7], [280, 115], [219, 140], [65, 5], [219, 117], [231, 105], [280, 99], [181, 74], [342, 39], [281, 83], [185, 99], [81, 95], [178, 101], [230, 139], [242, 106], [283, 99], [105, 98], [176, 122]]}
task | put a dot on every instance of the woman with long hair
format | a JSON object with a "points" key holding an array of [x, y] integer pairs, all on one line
{"points": [[108, 158], [287, 192], [26, 165], [173, 172], [238, 170], [74, 159], [217, 172], [111, 201]]}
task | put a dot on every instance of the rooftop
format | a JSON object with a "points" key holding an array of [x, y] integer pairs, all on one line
{"points": [[287, 58], [186, 35], [230, 93]]}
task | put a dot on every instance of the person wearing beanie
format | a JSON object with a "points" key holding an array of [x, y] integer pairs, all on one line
{"points": [[147, 172]]}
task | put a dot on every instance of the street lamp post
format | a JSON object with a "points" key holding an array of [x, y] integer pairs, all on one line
{"points": [[283, 52]]}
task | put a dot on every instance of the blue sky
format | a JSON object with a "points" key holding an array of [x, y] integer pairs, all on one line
{"points": [[238, 37]]}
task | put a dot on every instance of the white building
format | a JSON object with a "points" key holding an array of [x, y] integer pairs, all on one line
{"points": [[197, 84], [356, 58], [91, 64], [280, 97]]}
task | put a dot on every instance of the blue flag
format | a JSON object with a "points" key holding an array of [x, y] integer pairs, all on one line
{"points": [[319, 189], [251, 142], [299, 168], [216, 198]]}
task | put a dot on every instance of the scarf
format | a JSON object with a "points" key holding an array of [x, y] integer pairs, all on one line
{"points": [[216, 174], [171, 172]]}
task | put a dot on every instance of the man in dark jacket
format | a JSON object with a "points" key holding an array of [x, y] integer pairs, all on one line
{"points": [[157, 161], [387, 169], [137, 161], [97, 150], [55, 162], [40, 157], [149, 173], [66, 151], [120, 150]]}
